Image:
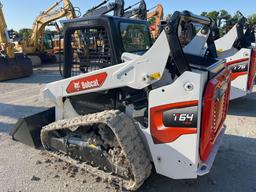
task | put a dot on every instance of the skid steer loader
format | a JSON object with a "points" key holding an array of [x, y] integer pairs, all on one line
{"points": [[236, 48], [117, 113]]}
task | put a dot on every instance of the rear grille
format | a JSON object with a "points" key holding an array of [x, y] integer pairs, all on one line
{"points": [[215, 108], [220, 110], [91, 51]]}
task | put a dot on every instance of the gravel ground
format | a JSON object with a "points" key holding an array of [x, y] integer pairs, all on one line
{"points": [[27, 170]]}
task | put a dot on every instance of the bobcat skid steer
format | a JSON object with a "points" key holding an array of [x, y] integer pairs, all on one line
{"points": [[116, 119], [235, 46]]}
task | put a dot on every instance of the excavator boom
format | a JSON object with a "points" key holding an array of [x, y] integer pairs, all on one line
{"points": [[12, 65], [34, 44], [155, 18]]}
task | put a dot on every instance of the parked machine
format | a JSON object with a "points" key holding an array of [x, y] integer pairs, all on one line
{"points": [[117, 7], [235, 46], [12, 65], [34, 44], [139, 13], [101, 9], [109, 117], [155, 17]]}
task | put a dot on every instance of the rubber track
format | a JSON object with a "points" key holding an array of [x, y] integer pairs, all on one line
{"points": [[127, 135]]}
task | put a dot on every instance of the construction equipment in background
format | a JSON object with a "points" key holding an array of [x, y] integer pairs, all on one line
{"points": [[236, 48], [154, 18], [118, 10], [12, 65], [117, 7], [139, 12], [34, 44], [116, 112], [56, 39]]}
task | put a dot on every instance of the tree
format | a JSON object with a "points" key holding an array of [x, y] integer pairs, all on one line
{"points": [[25, 33], [232, 21], [223, 15], [236, 17], [152, 20], [204, 14], [214, 15], [252, 19]]}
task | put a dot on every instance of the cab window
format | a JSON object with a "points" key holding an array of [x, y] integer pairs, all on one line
{"points": [[135, 37]]}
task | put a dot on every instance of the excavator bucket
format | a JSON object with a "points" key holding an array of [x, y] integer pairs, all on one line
{"points": [[14, 68], [27, 130]]}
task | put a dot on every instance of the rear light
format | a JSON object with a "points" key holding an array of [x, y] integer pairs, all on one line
{"points": [[215, 108], [252, 71]]}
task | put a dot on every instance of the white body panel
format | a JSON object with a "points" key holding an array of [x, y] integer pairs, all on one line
{"points": [[178, 161], [197, 45], [227, 41], [238, 85]]}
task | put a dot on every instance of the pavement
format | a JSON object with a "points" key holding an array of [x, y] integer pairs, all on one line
{"points": [[24, 169]]}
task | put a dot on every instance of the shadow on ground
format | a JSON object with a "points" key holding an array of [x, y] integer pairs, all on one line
{"points": [[41, 75], [11, 113], [6, 127], [234, 170], [245, 106]]}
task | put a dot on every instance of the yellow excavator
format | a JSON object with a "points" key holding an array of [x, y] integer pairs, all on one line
{"points": [[13, 65], [34, 45], [154, 18]]}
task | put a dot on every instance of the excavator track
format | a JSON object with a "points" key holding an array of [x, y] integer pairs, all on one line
{"points": [[137, 165]]}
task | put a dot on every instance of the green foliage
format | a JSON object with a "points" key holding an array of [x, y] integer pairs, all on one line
{"points": [[25, 33], [226, 21], [204, 13], [152, 20], [252, 19], [223, 16], [214, 15], [50, 32]]}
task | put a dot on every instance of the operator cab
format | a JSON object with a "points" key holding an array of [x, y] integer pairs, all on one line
{"points": [[102, 41]]}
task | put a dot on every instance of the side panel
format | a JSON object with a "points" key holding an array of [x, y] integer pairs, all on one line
{"points": [[175, 151], [239, 87], [239, 64], [197, 45], [227, 41]]}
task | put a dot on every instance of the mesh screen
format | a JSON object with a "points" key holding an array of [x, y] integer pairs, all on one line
{"points": [[90, 50]]}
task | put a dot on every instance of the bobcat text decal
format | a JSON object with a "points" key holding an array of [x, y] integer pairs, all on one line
{"points": [[86, 83]]}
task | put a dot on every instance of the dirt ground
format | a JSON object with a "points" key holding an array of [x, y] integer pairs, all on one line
{"points": [[28, 170]]}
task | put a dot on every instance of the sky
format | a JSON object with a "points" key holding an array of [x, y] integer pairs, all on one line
{"points": [[21, 13]]}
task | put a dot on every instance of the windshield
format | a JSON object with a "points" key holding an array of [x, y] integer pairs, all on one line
{"points": [[135, 37]]}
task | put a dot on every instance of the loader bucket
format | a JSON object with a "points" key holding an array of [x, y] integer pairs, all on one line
{"points": [[27, 130], [14, 68]]}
